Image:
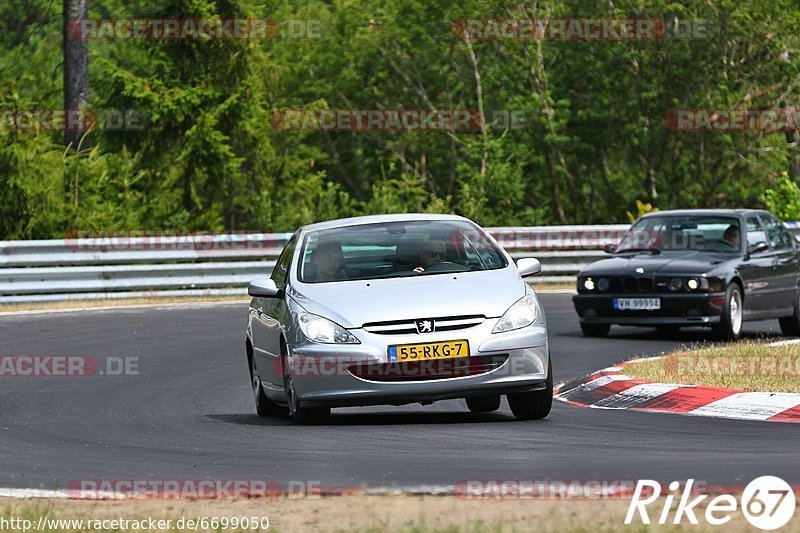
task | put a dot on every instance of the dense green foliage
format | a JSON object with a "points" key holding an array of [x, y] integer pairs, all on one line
{"points": [[211, 158], [784, 199]]}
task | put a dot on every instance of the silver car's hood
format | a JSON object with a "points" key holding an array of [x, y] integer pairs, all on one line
{"points": [[354, 303]]}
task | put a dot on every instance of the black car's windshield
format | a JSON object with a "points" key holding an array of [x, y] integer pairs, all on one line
{"points": [[707, 233], [396, 249]]}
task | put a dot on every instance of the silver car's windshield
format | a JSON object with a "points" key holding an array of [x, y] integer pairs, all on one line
{"points": [[707, 233], [396, 249]]}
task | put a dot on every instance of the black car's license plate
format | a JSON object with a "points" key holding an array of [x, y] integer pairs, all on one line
{"points": [[637, 304]]}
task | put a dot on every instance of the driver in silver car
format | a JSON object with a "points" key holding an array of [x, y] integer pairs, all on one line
{"points": [[434, 252], [327, 260]]}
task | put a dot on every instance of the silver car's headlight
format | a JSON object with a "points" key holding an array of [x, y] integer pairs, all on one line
{"points": [[319, 329], [519, 315]]}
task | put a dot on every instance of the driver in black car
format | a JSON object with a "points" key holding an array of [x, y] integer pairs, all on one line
{"points": [[732, 235], [434, 252]]}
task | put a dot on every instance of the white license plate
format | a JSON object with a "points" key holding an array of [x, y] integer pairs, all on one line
{"points": [[637, 304]]}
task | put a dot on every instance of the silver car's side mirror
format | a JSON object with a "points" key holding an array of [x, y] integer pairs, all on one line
{"points": [[528, 266], [263, 288]]}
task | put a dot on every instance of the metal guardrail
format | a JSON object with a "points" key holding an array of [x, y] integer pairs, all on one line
{"points": [[196, 265]]}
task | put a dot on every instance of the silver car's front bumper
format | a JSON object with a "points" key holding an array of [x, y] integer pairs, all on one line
{"points": [[323, 373]]}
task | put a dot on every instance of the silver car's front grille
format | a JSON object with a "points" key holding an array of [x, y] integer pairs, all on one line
{"points": [[447, 323]]}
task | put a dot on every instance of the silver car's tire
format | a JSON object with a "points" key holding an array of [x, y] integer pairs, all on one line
{"points": [[730, 325], [533, 405], [483, 404], [298, 413], [264, 407]]}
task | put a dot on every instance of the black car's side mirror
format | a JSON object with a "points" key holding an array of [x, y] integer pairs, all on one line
{"points": [[757, 248], [610, 248]]}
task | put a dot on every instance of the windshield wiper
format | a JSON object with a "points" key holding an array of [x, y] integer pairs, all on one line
{"points": [[652, 250]]}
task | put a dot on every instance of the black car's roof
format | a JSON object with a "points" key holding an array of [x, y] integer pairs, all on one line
{"points": [[685, 212]]}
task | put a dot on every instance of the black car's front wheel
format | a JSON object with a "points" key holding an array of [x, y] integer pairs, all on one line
{"points": [[730, 324], [533, 405], [790, 325]]}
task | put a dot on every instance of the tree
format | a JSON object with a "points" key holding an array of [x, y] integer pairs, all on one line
{"points": [[76, 69]]}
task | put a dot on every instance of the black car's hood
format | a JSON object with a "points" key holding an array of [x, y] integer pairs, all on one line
{"points": [[663, 263]]}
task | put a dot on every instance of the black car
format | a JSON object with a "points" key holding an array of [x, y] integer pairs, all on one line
{"points": [[695, 268]]}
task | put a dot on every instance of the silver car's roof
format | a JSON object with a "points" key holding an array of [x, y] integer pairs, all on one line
{"points": [[377, 219]]}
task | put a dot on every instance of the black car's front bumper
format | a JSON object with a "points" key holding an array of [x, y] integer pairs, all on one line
{"points": [[676, 309]]}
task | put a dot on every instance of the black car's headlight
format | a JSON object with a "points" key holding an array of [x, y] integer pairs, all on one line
{"points": [[322, 330], [519, 315], [684, 283], [697, 283], [586, 284]]}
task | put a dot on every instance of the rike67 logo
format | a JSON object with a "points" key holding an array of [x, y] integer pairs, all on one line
{"points": [[767, 502]]}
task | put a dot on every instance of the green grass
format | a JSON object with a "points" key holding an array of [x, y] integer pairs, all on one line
{"points": [[746, 365]]}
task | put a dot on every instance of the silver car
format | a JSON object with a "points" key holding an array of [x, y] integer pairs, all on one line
{"points": [[397, 309]]}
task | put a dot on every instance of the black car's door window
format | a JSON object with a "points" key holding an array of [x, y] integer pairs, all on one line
{"points": [[755, 232], [784, 279], [281, 271], [757, 271], [778, 237]]}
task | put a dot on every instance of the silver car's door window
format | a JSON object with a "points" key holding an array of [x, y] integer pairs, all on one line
{"points": [[281, 271]]}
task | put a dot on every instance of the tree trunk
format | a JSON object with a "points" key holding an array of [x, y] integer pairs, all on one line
{"points": [[76, 71], [794, 155]]}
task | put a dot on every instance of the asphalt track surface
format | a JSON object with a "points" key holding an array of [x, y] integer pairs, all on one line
{"points": [[189, 414]]}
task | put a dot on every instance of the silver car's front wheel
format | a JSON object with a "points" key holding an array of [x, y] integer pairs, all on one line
{"points": [[301, 415], [533, 405], [264, 407]]}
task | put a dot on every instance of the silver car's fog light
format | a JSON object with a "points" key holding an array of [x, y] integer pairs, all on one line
{"points": [[519, 315], [322, 330]]}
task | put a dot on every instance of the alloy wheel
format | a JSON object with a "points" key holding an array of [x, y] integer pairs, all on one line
{"points": [[736, 312]]}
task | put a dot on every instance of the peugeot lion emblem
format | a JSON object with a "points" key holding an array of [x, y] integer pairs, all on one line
{"points": [[425, 325]]}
